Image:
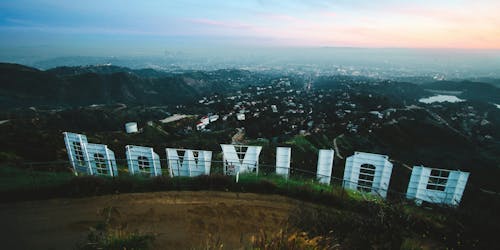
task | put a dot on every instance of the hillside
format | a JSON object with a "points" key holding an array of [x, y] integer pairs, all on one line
{"points": [[21, 86], [264, 208], [24, 86], [203, 213], [346, 113]]}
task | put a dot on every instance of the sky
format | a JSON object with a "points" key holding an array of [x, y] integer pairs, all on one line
{"points": [[147, 27]]}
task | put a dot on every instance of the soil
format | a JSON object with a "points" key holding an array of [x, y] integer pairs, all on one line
{"points": [[179, 220]]}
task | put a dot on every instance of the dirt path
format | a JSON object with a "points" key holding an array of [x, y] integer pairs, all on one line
{"points": [[238, 137], [336, 148], [180, 220]]}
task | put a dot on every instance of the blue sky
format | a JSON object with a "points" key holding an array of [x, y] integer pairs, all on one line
{"points": [[144, 27]]}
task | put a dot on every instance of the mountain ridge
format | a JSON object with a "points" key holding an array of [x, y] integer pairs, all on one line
{"points": [[70, 86], [22, 86]]}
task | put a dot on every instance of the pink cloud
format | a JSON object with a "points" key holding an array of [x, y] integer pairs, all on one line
{"points": [[329, 14], [437, 14], [281, 17], [223, 24], [403, 29], [451, 16], [284, 19]]}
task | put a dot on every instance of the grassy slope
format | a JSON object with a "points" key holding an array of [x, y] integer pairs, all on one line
{"points": [[348, 218]]}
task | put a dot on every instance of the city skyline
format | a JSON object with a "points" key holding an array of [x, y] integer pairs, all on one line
{"points": [[29, 26]]}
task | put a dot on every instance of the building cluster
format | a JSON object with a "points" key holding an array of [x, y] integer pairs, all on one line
{"points": [[291, 110], [364, 172], [205, 120], [471, 121]]}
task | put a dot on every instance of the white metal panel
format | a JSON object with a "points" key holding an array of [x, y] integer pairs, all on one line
{"points": [[385, 178], [188, 162], [142, 160], [240, 158], [231, 161], [207, 157], [77, 154], [374, 177], [250, 161], [89, 158], [461, 181], [176, 164], [196, 163], [283, 156], [415, 183], [325, 164], [101, 159], [446, 187]]}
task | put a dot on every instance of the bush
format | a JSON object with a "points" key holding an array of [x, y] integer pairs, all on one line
{"points": [[214, 182], [262, 187], [103, 236], [287, 240], [378, 227], [160, 183], [86, 186]]}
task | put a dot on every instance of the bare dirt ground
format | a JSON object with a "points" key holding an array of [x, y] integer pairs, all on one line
{"points": [[179, 220]]}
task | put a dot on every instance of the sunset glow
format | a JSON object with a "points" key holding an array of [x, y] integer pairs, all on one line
{"points": [[361, 23]]}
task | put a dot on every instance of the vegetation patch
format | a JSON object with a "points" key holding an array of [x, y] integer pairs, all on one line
{"points": [[352, 219], [107, 235]]}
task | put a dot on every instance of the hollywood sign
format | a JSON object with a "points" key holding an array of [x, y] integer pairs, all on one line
{"points": [[365, 172]]}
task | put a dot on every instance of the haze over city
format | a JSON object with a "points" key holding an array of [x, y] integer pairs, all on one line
{"points": [[138, 27], [251, 124]]}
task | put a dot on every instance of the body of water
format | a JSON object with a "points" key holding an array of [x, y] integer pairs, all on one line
{"points": [[441, 98]]}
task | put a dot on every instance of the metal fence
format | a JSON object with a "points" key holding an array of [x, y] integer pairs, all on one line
{"points": [[296, 175]]}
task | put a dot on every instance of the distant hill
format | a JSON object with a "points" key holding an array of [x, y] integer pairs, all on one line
{"points": [[71, 86], [493, 81], [22, 86], [106, 70], [78, 70]]}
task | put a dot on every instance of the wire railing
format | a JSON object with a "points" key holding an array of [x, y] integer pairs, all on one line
{"points": [[216, 168]]}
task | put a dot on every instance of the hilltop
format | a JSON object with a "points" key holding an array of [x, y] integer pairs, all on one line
{"points": [[22, 86]]}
